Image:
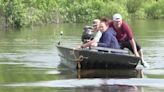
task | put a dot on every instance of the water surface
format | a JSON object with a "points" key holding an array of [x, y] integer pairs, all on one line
{"points": [[29, 61]]}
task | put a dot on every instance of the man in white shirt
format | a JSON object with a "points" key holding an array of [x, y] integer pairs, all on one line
{"points": [[97, 36]]}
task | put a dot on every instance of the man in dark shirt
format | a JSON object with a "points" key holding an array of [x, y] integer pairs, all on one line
{"points": [[125, 37]]}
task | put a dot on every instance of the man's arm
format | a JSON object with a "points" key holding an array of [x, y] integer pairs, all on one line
{"points": [[133, 44], [88, 43], [94, 41]]}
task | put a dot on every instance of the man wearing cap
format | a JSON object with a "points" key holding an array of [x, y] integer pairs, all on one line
{"points": [[125, 37]]}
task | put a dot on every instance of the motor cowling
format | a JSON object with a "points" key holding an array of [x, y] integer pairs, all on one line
{"points": [[87, 34]]}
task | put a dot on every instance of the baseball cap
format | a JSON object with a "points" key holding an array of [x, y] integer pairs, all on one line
{"points": [[117, 17]]}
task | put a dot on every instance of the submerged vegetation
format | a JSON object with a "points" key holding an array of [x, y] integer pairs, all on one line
{"points": [[19, 13]]}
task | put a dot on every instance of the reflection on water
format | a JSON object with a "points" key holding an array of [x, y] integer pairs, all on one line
{"points": [[109, 73], [120, 88], [82, 75], [97, 81]]}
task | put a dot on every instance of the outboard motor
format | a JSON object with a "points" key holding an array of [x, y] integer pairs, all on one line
{"points": [[87, 34]]}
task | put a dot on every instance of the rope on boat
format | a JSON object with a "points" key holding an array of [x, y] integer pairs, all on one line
{"points": [[78, 59]]}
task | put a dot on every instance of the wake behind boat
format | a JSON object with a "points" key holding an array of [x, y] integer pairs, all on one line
{"points": [[97, 58]]}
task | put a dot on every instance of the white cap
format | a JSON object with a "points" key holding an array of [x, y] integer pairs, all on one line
{"points": [[117, 17]]}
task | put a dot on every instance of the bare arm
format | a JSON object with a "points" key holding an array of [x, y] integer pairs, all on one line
{"points": [[132, 42], [94, 41], [88, 43]]}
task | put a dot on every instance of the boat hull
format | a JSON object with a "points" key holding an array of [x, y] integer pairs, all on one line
{"points": [[95, 59]]}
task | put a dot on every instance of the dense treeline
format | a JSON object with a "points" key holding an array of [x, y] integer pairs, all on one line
{"points": [[19, 13]]}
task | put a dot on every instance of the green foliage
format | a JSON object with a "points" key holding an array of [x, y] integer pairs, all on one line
{"points": [[14, 12], [81, 11], [155, 10], [19, 13], [111, 8], [133, 5], [85, 11]]}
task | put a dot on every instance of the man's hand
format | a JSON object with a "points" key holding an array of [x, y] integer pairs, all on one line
{"points": [[136, 54], [95, 44]]}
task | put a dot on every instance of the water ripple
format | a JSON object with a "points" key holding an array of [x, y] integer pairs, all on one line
{"points": [[94, 82]]}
